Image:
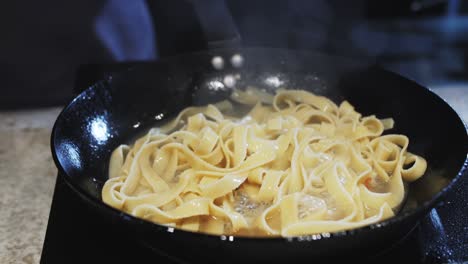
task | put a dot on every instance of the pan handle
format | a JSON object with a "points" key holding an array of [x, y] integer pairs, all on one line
{"points": [[216, 23]]}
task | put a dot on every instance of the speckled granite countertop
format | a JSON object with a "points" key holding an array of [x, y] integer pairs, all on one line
{"points": [[27, 177]]}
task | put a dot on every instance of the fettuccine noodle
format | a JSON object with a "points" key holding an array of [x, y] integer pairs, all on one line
{"points": [[296, 164]]}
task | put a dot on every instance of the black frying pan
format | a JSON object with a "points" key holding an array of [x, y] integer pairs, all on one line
{"points": [[126, 104], [115, 110]]}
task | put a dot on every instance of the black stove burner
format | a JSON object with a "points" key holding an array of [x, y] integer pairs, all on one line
{"points": [[76, 234]]}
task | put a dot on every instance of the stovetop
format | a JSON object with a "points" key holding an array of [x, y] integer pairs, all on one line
{"points": [[76, 234]]}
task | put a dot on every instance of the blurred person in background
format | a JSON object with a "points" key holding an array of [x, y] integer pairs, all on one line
{"points": [[43, 43]]}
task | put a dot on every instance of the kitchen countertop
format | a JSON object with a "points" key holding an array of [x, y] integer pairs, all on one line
{"points": [[27, 175], [27, 178]]}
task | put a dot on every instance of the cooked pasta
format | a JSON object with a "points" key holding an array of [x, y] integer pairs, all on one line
{"points": [[296, 164]]}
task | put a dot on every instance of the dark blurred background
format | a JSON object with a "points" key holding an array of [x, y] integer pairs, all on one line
{"points": [[44, 42]]}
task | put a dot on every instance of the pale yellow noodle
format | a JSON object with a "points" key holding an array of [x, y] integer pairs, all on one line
{"points": [[296, 164]]}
